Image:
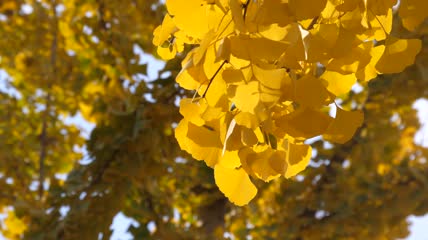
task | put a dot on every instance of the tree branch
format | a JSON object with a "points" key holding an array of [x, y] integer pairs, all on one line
{"points": [[45, 118]]}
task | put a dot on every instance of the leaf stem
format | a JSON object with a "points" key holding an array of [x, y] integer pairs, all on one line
{"points": [[212, 78], [247, 3]]}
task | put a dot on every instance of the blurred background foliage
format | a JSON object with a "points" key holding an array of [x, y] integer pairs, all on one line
{"points": [[61, 59]]}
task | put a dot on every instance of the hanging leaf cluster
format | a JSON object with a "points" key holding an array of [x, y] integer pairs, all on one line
{"points": [[266, 73]]}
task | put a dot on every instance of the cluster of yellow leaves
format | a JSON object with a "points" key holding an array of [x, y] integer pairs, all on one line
{"points": [[266, 72], [15, 227]]}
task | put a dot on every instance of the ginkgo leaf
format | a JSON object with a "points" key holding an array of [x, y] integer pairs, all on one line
{"points": [[201, 50], [247, 120], [188, 136], [347, 5], [256, 49], [246, 97], [235, 184], [163, 32], [296, 50], [216, 95], [343, 127], [271, 81], [274, 32], [320, 41], [353, 20], [357, 58], [304, 123], [167, 53], [347, 39], [381, 25], [311, 92], [248, 137], [192, 110], [229, 159], [211, 64], [270, 78], [370, 72], [273, 12], [231, 75], [185, 78], [255, 161], [229, 132], [338, 83], [278, 162], [398, 54], [191, 17], [298, 157], [305, 9], [380, 7], [237, 14]]}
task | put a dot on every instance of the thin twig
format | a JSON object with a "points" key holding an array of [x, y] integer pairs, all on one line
{"points": [[247, 3], [212, 78], [312, 24], [44, 134]]}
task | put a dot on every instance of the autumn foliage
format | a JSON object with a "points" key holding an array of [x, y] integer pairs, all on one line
{"points": [[319, 92], [265, 74]]}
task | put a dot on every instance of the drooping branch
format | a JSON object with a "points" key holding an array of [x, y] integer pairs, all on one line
{"points": [[45, 118], [43, 145]]}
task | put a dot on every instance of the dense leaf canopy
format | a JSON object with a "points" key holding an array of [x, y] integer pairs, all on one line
{"points": [[248, 86]]}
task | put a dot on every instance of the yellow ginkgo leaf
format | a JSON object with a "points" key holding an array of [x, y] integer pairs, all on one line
{"points": [[247, 120], [256, 49], [192, 110], [188, 137], [380, 7], [305, 9], [274, 32], [191, 77], [370, 72], [343, 127], [246, 97], [167, 53], [338, 83], [346, 5], [304, 123], [357, 58], [186, 81], [269, 78], [248, 137], [381, 25], [231, 75], [14, 225], [278, 161], [256, 161], [273, 12], [235, 184], [163, 32], [271, 81], [320, 41], [298, 157], [237, 14], [201, 50], [398, 54], [229, 159], [311, 92], [190, 17], [216, 95]]}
